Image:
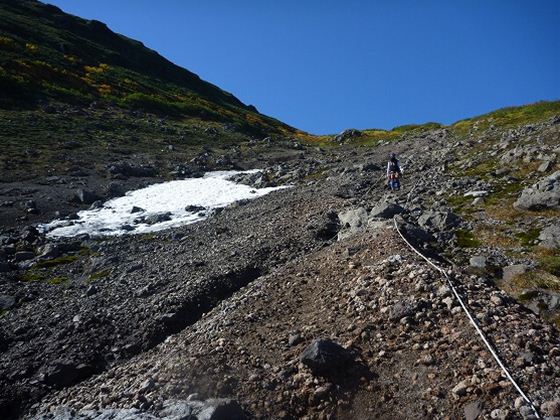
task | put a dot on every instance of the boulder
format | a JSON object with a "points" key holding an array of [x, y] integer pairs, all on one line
{"points": [[546, 166], [158, 218], [115, 189], [512, 271], [550, 237], [439, 220], [400, 310], [416, 234], [29, 233], [386, 210], [476, 194], [6, 302], [325, 357], [352, 222], [542, 195], [211, 409], [84, 197], [49, 251], [67, 413]]}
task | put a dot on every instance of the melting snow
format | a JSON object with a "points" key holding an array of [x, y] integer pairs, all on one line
{"points": [[168, 200]]}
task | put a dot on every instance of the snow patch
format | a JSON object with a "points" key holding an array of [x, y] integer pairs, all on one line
{"points": [[159, 206]]}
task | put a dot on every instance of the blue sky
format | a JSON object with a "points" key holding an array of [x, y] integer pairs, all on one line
{"points": [[327, 65]]}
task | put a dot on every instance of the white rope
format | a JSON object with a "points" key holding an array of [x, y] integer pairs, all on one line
{"points": [[472, 320]]}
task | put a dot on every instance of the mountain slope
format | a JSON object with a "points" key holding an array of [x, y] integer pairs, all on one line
{"points": [[48, 54]]}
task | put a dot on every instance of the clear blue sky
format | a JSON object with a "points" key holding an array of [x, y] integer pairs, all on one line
{"points": [[327, 65]]}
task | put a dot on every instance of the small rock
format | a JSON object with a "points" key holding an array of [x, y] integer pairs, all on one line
{"points": [[496, 300], [449, 302], [460, 389], [294, 339], [478, 261], [472, 410], [91, 290]]}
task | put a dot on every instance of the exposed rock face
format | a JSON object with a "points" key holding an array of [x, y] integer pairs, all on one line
{"points": [[386, 210], [347, 135], [544, 194], [550, 237], [438, 219]]}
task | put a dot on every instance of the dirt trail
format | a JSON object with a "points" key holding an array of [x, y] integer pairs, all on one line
{"points": [[417, 355]]}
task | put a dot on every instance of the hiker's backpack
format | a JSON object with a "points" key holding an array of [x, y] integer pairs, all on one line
{"points": [[393, 166]]}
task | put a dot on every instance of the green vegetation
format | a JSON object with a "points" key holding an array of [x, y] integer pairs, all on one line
{"points": [[58, 280], [508, 117], [466, 239], [528, 237], [535, 279], [99, 275], [32, 275], [66, 259], [549, 260]]}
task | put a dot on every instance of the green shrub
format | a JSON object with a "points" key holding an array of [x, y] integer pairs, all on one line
{"points": [[465, 239], [66, 259]]}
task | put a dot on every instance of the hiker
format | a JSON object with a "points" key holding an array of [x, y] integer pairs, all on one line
{"points": [[394, 173]]}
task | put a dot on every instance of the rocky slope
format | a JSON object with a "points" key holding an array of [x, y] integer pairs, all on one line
{"points": [[158, 325], [301, 304]]}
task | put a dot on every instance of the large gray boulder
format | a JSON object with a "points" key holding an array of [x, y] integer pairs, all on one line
{"points": [[211, 409], [386, 210], [438, 220], [550, 237], [542, 195], [352, 221]]}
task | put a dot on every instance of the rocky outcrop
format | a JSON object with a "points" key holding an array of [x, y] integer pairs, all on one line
{"points": [[544, 194], [549, 237]]}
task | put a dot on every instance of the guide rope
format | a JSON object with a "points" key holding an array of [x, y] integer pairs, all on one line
{"points": [[465, 309]]}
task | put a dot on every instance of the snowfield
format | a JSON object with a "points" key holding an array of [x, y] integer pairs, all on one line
{"points": [[159, 206]]}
